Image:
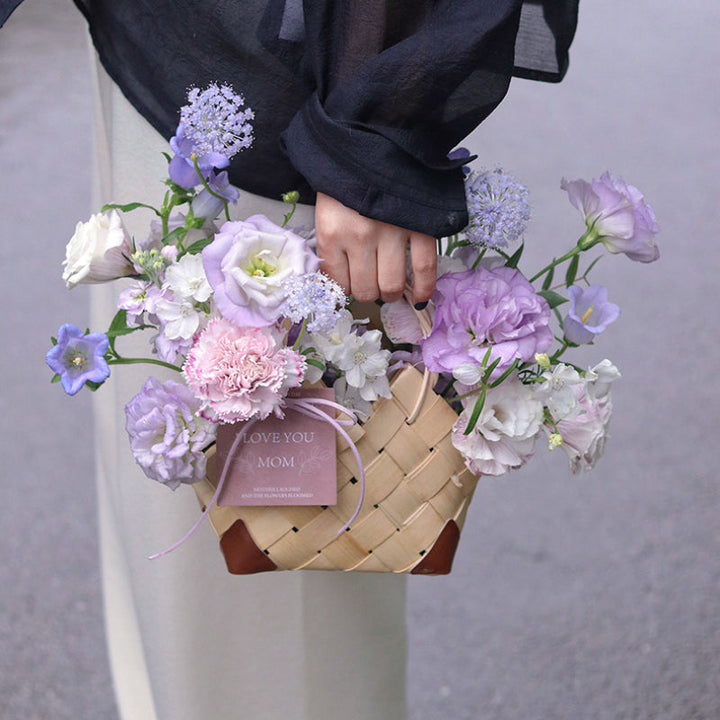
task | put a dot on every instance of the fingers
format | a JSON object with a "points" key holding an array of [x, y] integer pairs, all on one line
{"points": [[423, 255], [391, 269]]}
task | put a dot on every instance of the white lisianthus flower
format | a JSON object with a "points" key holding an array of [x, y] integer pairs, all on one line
{"points": [[99, 251], [557, 393], [187, 281], [584, 435], [505, 433]]}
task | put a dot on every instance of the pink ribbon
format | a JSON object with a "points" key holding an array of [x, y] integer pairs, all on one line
{"points": [[305, 406]]}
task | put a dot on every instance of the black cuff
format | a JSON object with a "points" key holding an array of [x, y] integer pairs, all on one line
{"points": [[372, 175]]}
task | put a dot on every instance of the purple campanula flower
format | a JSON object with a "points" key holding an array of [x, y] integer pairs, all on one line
{"points": [[617, 215], [482, 308], [498, 208], [205, 204], [590, 313], [78, 358], [167, 435]]}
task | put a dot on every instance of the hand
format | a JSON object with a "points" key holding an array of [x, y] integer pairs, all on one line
{"points": [[367, 257]]}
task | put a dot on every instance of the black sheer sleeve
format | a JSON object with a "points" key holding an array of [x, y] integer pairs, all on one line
{"points": [[399, 84]]}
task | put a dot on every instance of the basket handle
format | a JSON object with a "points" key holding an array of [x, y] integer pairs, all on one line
{"points": [[429, 378]]}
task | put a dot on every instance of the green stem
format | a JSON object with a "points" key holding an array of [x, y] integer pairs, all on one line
{"points": [[586, 241], [134, 361], [296, 344]]}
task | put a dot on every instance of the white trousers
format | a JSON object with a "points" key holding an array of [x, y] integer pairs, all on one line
{"points": [[188, 641]]}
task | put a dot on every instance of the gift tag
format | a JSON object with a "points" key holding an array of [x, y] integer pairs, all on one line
{"points": [[281, 462]]}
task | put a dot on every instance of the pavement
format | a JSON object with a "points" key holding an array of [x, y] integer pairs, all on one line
{"points": [[591, 597]]}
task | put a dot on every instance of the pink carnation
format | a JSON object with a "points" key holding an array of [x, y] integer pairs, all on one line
{"points": [[241, 373]]}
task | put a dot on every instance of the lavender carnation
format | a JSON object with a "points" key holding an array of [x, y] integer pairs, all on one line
{"points": [[482, 308], [167, 435], [498, 208]]}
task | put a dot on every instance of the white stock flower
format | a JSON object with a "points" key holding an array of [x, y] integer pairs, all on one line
{"points": [[600, 378], [99, 251], [557, 392], [179, 318], [468, 373], [364, 364], [504, 436], [350, 398], [186, 279]]}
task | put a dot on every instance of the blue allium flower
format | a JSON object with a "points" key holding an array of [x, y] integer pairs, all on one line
{"points": [[590, 313], [214, 126], [314, 296], [498, 208], [78, 358]]}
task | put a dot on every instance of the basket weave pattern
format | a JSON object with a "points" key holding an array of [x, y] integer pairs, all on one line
{"points": [[415, 484]]}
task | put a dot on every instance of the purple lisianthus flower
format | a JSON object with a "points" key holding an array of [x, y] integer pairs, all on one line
{"points": [[590, 313], [617, 215], [78, 358], [167, 435], [247, 266], [482, 308]]}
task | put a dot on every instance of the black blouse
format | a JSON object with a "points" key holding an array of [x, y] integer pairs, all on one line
{"points": [[359, 99]]}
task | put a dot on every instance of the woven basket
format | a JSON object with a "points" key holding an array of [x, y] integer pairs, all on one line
{"points": [[417, 494]]}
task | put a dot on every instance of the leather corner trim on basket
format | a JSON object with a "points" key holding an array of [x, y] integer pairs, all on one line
{"points": [[242, 555], [440, 558]]}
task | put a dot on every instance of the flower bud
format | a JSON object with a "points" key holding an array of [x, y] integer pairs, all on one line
{"points": [[542, 360], [554, 441], [291, 198]]}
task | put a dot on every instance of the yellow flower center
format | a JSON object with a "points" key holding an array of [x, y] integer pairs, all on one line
{"points": [[587, 314]]}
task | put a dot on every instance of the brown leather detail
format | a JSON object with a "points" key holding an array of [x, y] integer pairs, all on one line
{"points": [[438, 561], [242, 555]]}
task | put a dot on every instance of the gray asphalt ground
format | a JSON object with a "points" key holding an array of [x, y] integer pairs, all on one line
{"points": [[572, 598]]}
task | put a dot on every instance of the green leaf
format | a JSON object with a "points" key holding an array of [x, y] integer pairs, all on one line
{"points": [[490, 369], [129, 207], [118, 326], [316, 363], [592, 265], [167, 156], [505, 374], [515, 257], [198, 246], [53, 340], [479, 403], [571, 273], [55, 378], [176, 234], [548, 279], [92, 386], [553, 299]]}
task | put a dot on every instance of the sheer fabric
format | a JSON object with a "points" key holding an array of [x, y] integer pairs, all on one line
{"points": [[367, 96]]}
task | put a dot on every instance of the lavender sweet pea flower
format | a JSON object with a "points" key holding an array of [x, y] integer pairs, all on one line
{"points": [[78, 358], [590, 313], [617, 215], [482, 308]]}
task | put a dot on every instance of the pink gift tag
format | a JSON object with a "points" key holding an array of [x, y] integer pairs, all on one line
{"points": [[281, 462]]}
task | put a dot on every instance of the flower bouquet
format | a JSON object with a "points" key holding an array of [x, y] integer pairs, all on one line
{"points": [[413, 405]]}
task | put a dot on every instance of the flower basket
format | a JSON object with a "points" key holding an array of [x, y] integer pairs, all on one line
{"points": [[417, 495]]}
